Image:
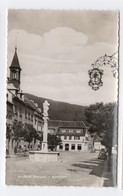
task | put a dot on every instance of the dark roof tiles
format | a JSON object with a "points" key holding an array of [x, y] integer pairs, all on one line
{"points": [[30, 104], [15, 62], [68, 124]]}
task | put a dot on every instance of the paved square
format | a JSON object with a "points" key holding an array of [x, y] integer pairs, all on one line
{"points": [[72, 169]]}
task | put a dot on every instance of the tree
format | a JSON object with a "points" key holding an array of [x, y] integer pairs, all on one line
{"points": [[18, 130], [53, 141], [103, 123], [23, 131], [29, 133]]}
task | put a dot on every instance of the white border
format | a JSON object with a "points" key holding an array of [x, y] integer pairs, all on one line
{"points": [[54, 4]]}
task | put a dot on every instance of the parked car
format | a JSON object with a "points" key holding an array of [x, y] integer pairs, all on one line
{"points": [[102, 154]]}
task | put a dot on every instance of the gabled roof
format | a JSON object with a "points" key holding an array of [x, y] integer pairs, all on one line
{"points": [[66, 124], [72, 128], [15, 62]]}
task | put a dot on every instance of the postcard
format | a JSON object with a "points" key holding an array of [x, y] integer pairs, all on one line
{"points": [[62, 98]]}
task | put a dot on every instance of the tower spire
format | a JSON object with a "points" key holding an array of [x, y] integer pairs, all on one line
{"points": [[15, 70], [16, 42]]}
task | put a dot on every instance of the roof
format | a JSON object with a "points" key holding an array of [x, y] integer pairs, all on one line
{"points": [[27, 103], [10, 86], [73, 132], [15, 62], [72, 128], [30, 104], [66, 124]]}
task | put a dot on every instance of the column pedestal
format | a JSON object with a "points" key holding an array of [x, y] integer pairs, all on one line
{"points": [[44, 147], [44, 155]]}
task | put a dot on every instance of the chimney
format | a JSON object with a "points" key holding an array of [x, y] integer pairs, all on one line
{"points": [[22, 97]]}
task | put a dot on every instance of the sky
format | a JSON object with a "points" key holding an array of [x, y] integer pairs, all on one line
{"points": [[56, 49]]}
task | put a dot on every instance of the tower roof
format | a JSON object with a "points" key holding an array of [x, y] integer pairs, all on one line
{"points": [[15, 62]]}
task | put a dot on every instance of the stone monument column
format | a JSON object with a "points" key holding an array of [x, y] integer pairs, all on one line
{"points": [[45, 126], [44, 155]]}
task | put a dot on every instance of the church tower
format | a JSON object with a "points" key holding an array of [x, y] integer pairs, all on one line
{"points": [[15, 71]]}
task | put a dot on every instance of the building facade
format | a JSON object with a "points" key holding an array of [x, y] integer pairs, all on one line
{"points": [[22, 113], [74, 134]]}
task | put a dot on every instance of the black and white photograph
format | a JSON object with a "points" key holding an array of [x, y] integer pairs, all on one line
{"points": [[62, 97]]}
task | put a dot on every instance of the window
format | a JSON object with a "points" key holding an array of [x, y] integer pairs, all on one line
{"points": [[28, 115], [39, 123], [16, 112], [86, 138], [9, 114], [70, 131], [61, 147], [66, 147], [72, 146], [32, 117], [70, 137], [79, 147], [25, 114], [76, 137], [20, 110], [15, 74], [65, 137]]}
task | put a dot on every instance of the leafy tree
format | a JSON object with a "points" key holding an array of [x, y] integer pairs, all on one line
{"points": [[53, 141], [18, 130], [103, 123], [29, 133]]}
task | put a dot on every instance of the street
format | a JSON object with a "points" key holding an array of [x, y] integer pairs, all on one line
{"points": [[72, 169]]}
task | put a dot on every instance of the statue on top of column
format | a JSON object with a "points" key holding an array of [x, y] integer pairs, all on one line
{"points": [[45, 108]]}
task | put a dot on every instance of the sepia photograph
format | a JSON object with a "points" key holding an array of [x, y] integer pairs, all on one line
{"points": [[62, 98]]}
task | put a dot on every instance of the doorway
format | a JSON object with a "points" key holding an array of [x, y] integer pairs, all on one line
{"points": [[66, 147]]}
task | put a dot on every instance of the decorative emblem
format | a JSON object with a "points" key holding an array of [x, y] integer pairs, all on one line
{"points": [[95, 74]]}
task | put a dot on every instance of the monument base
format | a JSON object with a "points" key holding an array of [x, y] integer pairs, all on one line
{"points": [[41, 156]]}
